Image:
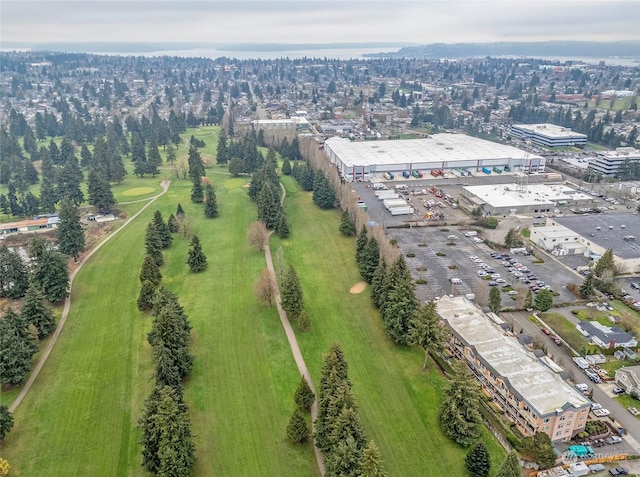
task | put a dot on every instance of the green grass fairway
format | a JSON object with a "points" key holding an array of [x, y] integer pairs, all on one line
{"points": [[80, 417], [397, 401]]}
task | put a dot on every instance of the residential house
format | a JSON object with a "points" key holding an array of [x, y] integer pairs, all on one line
{"points": [[606, 337], [628, 378]]}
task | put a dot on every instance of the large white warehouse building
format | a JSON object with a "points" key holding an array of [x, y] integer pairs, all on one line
{"points": [[441, 152]]}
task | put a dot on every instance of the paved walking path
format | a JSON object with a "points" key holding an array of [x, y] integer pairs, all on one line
{"points": [[293, 342], [67, 302]]}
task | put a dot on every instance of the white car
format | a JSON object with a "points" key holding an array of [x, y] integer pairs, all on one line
{"points": [[456, 281], [601, 412], [482, 273], [477, 240], [495, 275], [501, 280], [473, 257], [512, 292]]}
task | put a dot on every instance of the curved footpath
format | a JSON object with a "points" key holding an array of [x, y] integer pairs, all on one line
{"points": [[67, 302], [293, 342]]}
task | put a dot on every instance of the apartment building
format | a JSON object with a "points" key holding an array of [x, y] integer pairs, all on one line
{"points": [[531, 395]]}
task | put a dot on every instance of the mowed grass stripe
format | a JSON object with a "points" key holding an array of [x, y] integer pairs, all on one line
{"points": [[398, 402], [240, 392], [80, 412]]}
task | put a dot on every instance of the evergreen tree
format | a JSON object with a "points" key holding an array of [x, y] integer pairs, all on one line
{"points": [[100, 194], [197, 260], [150, 271], [543, 300], [6, 423], [221, 152], [36, 312], [138, 154], [459, 414], [378, 283], [347, 225], [166, 373], [345, 460], [236, 166], [173, 224], [179, 211], [154, 160], [286, 167], [510, 466], [370, 260], [604, 264], [196, 167], [51, 275], [323, 193], [153, 243], [268, 206], [512, 239], [304, 396], [540, 448], [196, 191], [292, 297], [297, 429], [14, 279], [495, 301], [528, 301], [145, 298], [171, 153], [477, 461], [211, 202], [70, 233], [372, 462], [48, 196], [282, 226], [427, 332], [361, 243], [162, 228], [587, 289], [167, 444], [69, 178], [17, 347]]}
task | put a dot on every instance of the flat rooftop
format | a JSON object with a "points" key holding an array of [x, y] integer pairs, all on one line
{"points": [[534, 382], [613, 238], [550, 130], [504, 195], [437, 149], [555, 231]]}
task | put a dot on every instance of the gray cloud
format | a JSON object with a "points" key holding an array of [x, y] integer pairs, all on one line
{"points": [[305, 21]]}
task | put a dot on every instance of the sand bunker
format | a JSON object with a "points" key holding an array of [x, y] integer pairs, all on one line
{"points": [[358, 288]]}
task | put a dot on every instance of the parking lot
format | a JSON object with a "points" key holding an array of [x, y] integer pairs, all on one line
{"points": [[439, 255]]}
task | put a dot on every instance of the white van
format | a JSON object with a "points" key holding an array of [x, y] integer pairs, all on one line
{"points": [[470, 233]]}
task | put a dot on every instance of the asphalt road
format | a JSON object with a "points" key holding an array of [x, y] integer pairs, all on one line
{"points": [[601, 392]]}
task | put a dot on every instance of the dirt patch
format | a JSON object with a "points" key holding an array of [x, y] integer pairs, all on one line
{"points": [[358, 288]]}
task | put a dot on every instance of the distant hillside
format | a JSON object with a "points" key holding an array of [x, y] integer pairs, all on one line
{"points": [[583, 49]]}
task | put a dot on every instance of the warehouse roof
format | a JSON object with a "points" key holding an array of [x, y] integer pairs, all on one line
{"points": [[549, 130], [527, 376], [437, 149], [605, 237]]}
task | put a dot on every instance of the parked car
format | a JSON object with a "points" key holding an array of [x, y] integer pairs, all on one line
{"points": [[512, 292], [618, 471], [601, 412], [493, 284], [618, 391], [545, 331], [633, 410], [556, 340]]}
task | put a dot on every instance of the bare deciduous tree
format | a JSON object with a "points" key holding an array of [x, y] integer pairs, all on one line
{"points": [[258, 234], [264, 288], [181, 169]]}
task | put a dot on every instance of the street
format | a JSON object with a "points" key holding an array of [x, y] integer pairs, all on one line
{"points": [[520, 320]]}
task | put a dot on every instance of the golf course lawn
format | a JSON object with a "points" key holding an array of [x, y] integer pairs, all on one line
{"points": [[80, 417]]}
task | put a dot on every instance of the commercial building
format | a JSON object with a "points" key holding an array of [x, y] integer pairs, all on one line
{"points": [[600, 232], [449, 153], [509, 199], [548, 135], [531, 395], [558, 240], [31, 225], [608, 163], [294, 123]]}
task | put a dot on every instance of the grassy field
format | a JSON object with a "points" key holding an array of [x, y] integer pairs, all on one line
{"points": [[80, 418], [568, 332], [397, 401]]}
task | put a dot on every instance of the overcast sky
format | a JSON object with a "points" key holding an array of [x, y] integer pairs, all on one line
{"points": [[317, 21]]}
